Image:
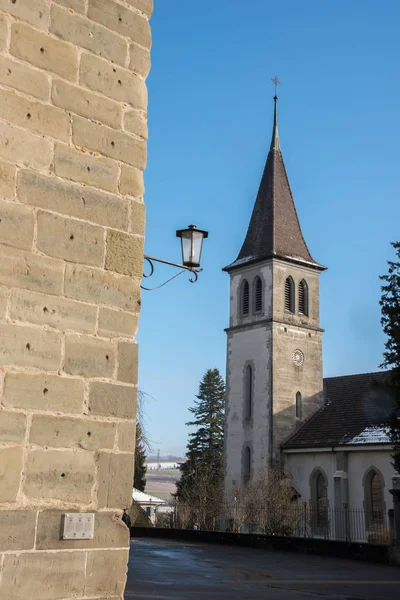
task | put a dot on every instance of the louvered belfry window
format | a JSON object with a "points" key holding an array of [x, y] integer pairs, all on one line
{"points": [[245, 297], [303, 298], [258, 295], [289, 295]]}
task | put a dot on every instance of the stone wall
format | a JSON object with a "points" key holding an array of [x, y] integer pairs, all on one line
{"points": [[73, 136]]}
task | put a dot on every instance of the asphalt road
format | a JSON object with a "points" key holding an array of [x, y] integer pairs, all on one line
{"points": [[166, 570]]}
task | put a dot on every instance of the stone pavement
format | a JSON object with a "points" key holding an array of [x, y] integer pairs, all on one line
{"points": [[164, 570]]}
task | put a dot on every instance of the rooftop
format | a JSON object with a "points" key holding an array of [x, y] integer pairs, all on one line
{"points": [[356, 411]]}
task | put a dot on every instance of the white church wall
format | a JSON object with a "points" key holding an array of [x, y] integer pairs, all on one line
{"points": [[359, 463], [250, 346], [302, 465]]}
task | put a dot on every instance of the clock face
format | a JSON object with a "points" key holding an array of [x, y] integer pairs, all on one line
{"points": [[298, 357]]}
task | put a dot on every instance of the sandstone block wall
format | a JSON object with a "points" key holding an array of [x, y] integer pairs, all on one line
{"points": [[73, 131]]}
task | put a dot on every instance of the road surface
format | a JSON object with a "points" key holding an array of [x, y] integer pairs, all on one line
{"points": [[171, 570]]}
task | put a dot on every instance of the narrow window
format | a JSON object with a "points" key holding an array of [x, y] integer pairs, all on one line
{"points": [[289, 295], [247, 464], [245, 297], [374, 503], [248, 392], [303, 298], [299, 406], [258, 295], [319, 503]]}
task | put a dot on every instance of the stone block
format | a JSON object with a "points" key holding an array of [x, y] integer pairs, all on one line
{"points": [[131, 182], [43, 575], [3, 32], [102, 287], [89, 356], [145, 6], [43, 51], [138, 217], [81, 32], [7, 180], [43, 392], [66, 475], [126, 435], [116, 323], [17, 530], [123, 20], [24, 78], [16, 225], [135, 123], [12, 427], [67, 432], [109, 532], [10, 473], [139, 60], [29, 347], [107, 141], [38, 118], [128, 362], [78, 6], [25, 270], [72, 199], [86, 104], [109, 400], [3, 301], [35, 12], [112, 81], [124, 253], [69, 239], [106, 572], [81, 166], [115, 480], [23, 148], [51, 310]]}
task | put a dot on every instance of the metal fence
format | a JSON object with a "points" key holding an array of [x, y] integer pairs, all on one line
{"points": [[301, 520]]}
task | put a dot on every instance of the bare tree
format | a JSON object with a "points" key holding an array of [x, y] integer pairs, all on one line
{"points": [[267, 503]]}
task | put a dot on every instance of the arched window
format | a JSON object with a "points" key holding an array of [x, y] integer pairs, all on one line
{"points": [[299, 406], [374, 502], [257, 291], [246, 464], [245, 297], [248, 392], [319, 503], [303, 298], [289, 295]]}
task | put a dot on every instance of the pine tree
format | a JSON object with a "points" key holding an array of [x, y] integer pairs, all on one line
{"points": [[201, 474], [390, 309], [139, 480]]}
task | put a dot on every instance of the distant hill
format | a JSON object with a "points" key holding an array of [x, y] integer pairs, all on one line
{"points": [[165, 458]]}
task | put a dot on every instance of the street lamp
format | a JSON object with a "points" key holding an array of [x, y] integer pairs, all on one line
{"points": [[192, 245]]}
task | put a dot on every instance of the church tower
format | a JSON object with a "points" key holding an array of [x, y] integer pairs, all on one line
{"points": [[274, 347]]}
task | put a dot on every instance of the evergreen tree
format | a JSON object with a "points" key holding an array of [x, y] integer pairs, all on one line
{"points": [[390, 309], [139, 480], [201, 474]]}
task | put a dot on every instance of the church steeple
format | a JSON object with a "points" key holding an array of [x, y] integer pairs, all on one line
{"points": [[275, 145], [274, 229]]}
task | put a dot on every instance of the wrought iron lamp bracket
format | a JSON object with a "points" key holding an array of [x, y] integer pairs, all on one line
{"points": [[151, 260]]}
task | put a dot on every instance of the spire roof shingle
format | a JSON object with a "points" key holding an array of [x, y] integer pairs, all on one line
{"points": [[274, 228]]}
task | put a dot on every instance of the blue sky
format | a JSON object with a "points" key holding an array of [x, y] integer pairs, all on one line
{"points": [[210, 117]]}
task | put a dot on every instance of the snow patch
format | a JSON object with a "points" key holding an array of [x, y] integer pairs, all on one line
{"points": [[372, 435]]}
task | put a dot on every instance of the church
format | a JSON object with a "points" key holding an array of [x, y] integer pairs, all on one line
{"points": [[329, 435]]}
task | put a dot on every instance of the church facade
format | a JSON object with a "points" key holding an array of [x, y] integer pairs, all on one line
{"points": [[279, 410]]}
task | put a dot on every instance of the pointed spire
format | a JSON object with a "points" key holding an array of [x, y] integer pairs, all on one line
{"points": [[274, 229], [275, 145]]}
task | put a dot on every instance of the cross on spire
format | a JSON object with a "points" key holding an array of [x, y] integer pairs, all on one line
{"points": [[276, 82]]}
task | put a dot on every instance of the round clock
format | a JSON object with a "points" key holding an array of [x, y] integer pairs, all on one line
{"points": [[298, 357]]}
